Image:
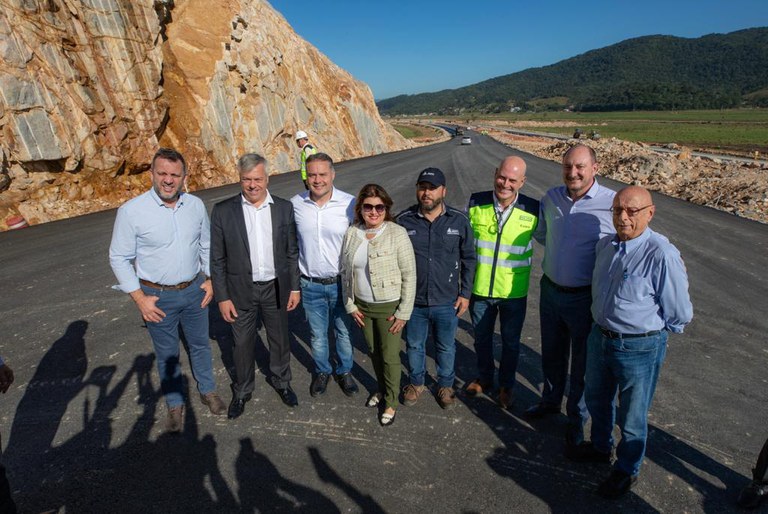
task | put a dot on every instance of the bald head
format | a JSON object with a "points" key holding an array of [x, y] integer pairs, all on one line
{"points": [[633, 210], [638, 193], [509, 178], [512, 162]]}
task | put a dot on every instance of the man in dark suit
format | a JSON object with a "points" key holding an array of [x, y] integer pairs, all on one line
{"points": [[254, 268]]}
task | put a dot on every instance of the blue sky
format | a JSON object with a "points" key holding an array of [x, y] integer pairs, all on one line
{"points": [[418, 46]]}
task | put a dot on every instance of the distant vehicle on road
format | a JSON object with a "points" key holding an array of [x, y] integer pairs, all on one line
{"points": [[459, 131], [466, 140]]}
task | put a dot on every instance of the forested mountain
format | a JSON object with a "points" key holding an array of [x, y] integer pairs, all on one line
{"points": [[650, 72]]}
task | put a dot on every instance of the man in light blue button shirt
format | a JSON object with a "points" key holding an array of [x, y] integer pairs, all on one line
{"points": [[160, 255], [640, 294], [573, 218]]}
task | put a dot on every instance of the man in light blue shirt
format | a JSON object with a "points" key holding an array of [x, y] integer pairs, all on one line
{"points": [[573, 218], [640, 294], [160, 255]]}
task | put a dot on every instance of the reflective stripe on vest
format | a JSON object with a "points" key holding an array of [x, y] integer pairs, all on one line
{"points": [[503, 259]]}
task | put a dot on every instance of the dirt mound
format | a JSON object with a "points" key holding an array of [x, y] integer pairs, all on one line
{"points": [[740, 188]]}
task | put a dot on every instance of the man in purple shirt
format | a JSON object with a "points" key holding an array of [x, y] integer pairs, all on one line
{"points": [[573, 217]]}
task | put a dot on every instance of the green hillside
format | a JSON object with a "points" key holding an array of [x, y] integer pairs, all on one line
{"points": [[646, 73]]}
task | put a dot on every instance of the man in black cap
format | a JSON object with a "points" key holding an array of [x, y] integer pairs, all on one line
{"points": [[445, 265]]}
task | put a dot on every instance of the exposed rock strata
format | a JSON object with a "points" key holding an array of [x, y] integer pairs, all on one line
{"points": [[89, 89]]}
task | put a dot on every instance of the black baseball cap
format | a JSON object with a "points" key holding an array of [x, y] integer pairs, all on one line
{"points": [[432, 175]]}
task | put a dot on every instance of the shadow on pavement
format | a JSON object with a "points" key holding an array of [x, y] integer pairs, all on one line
{"points": [[54, 468]]}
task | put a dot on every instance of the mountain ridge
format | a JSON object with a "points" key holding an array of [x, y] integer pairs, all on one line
{"points": [[647, 72]]}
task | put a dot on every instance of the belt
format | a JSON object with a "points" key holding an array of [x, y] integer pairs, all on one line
{"points": [[564, 289], [181, 285], [263, 282], [610, 334], [325, 281]]}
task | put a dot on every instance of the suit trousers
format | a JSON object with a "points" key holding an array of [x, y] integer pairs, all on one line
{"points": [[265, 301]]}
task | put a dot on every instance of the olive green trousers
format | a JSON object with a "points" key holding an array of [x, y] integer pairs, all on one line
{"points": [[383, 347]]}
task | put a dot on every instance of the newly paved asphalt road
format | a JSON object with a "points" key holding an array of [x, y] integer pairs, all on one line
{"points": [[82, 425]]}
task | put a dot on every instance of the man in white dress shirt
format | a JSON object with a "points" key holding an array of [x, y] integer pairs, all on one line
{"points": [[322, 216]]}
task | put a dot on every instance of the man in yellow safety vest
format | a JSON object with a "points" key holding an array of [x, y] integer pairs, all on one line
{"points": [[503, 221], [302, 141]]}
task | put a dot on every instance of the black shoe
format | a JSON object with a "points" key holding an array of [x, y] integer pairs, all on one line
{"points": [[586, 452], [319, 384], [541, 409], [617, 484], [288, 396], [753, 495], [237, 406], [347, 384], [574, 436]]}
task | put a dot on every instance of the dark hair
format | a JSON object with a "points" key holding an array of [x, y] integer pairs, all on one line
{"points": [[372, 191], [320, 156], [169, 154], [579, 145], [249, 161]]}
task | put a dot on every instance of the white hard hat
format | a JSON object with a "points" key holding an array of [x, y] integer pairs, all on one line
{"points": [[301, 135]]}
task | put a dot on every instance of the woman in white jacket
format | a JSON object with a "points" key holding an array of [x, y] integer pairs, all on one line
{"points": [[379, 286]]}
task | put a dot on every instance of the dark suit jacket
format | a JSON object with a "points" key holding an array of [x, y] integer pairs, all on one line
{"points": [[231, 271]]}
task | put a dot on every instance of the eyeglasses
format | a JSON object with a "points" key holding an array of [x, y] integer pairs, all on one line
{"points": [[380, 207], [617, 211]]}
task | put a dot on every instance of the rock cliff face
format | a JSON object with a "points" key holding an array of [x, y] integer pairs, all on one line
{"points": [[90, 88]]}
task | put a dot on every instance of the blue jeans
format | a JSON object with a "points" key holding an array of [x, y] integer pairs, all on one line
{"points": [[443, 321], [566, 320], [182, 308], [321, 304], [511, 313], [629, 368]]}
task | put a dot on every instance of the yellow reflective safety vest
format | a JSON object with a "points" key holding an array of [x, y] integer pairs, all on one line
{"points": [[503, 256], [306, 151]]}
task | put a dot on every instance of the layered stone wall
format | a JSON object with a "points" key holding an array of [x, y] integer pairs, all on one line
{"points": [[90, 88]]}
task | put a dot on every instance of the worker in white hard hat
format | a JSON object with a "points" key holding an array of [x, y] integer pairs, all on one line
{"points": [[302, 141]]}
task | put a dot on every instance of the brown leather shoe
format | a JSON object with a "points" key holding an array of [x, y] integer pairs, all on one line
{"points": [[411, 394], [446, 398], [175, 419], [478, 386], [214, 403], [506, 397]]}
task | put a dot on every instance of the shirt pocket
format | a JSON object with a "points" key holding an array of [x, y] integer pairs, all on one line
{"points": [[634, 288], [450, 243]]}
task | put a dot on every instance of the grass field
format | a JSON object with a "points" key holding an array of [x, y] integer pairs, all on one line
{"points": [[415, 131], [740, 130]]}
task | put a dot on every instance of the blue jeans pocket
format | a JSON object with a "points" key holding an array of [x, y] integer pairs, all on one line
{"points": [[639, 344]]}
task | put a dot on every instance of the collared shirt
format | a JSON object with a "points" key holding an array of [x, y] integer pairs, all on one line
{"points": [[640, 285], [502, 215], [569, 231], [167, 245], [445, 254], [258, 225], [321, 231]]}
